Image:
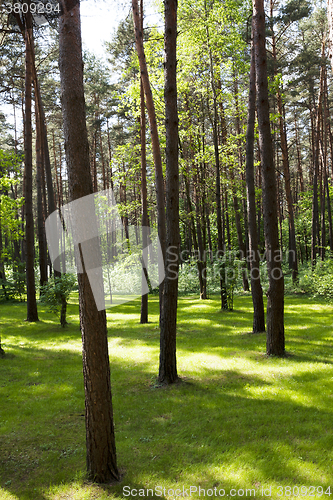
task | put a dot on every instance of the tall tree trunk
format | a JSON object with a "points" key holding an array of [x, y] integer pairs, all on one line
{"points": [[2, 352], [275, 295], [32, 314], [220, 249], [40, 210], [326, 187], [201, 246], [168, 363], [154, 136], [330, 26], [256, 289], [285, 161], [299, 158], [145, 220], [194, 238], [241, 243], [316, 154], [100, 439]]}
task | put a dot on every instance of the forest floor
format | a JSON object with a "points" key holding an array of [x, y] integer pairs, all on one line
{"points": [[239, 422]]}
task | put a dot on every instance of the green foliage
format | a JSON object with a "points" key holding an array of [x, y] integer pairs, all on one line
{"points": [[318, 282], [188, 281], [13, 287], [294, 10], [55, 290]]}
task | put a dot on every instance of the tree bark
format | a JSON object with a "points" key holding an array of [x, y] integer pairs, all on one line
{"points": [[153, 131], [316, 154], [241, 242], [330, 26], [168, 364], [145, 220], [224, 302], [299, 158], [40, 210], [32, 314], [100, 439], [256, 289], [286, 170], [275, 295]]}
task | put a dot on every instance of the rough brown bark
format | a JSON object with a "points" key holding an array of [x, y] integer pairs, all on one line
{"points": [[145, 220], [2, 352], [32, 314], [40, 210], [153, 129], [168, 364], [224, 302], [200, 221], [195, 241], [299, 158], [316, 154], [293, 264], [256, 289], [241, 243], [100, 440], [330, 26], [275, 295]]}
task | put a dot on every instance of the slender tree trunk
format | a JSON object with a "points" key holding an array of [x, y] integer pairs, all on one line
{"points": [[256, 289], [154, 135], [241, 243], [201, 246], [275, 294], [330, 26], [100, 439], [32, 314], [168, 363], [315, 215], [40, 210], [145, 220], [224, 302], [322, 209], [299, 158], [285, 161], [326, 187], [194, 237], [2, 352]]}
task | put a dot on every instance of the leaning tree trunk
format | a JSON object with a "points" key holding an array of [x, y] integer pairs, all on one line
{"points": [[100, 439], [32, 314], [256, 289], [275, 294], [154, 136], [168, 363]]}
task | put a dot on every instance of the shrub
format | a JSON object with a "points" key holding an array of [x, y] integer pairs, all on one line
{"points": [[55, 294]]}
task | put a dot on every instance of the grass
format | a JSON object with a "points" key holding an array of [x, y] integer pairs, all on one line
{"points": [[237, 421]]}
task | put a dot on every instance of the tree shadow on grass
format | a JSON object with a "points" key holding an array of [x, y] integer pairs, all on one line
{"points": [[214, 423], [205, 427]]}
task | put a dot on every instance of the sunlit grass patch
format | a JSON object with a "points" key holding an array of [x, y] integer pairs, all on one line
{"points": [[238, 420]]}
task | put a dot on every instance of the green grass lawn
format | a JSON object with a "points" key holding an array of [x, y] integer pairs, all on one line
{"points": [[238, 420]]}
